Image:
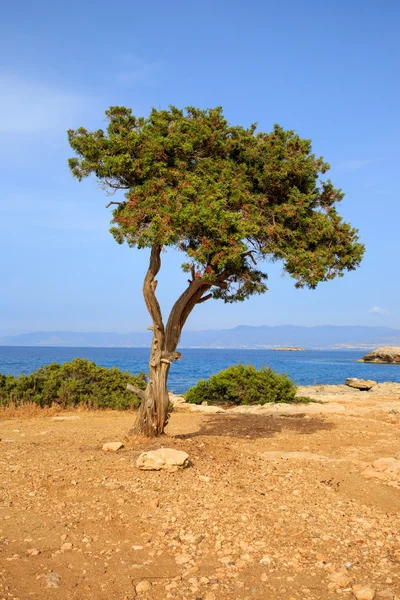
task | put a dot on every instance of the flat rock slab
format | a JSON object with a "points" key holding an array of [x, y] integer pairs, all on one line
{"points": [[205, 409], [290, 409], [278, 455], [387, 469], [69, 418], [112, 446], [166, 459], [360, 384]]}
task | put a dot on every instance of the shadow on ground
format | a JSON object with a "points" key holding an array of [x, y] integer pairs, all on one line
{"points": [[255, 426]]}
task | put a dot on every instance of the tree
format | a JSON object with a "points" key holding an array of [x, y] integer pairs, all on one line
{"points": [[227, 197]]}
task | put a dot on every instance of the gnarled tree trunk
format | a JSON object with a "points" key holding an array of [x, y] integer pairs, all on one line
{"points": [[153, 412]]}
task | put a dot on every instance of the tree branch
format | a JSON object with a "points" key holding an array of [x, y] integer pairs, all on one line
{"points": [[109, 204], [149, 287], [182, 309], [136, 391], [204, 298]]}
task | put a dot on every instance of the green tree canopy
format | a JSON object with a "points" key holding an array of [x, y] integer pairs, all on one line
{"points": [[225, 195]]}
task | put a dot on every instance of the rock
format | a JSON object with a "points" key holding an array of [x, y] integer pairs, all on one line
{"points": [[278, 455], [167, 459], [143, 586], [340, 578], [66, 546], [360, 384], [205, 409], [33, 552], [176, 400], [112, 446], [385, 354], [53, 580], [387, 593], [182, 559], [363, 592], [69, 418], [388, 465], [210, 596]]}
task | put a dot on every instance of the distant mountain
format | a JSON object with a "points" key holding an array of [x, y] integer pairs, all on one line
{"points": [[243, 336]]}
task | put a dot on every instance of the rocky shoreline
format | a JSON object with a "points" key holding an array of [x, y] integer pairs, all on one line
{"points": [[329, 399]]}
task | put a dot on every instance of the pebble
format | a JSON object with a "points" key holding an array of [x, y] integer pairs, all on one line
{"points": [[143, 586], [340, 578], [53, 580], [182, 559], [363, 592], [33, 552], [66, 546]]}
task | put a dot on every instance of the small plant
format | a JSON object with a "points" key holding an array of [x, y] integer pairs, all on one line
{"points": [[244, 384], [77, 383]]}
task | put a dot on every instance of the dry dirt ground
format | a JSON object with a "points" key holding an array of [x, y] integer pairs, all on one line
{"points": [[79, 523]]}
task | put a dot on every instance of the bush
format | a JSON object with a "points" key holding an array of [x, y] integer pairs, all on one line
{"points": [[79, 382], [244, 384]]}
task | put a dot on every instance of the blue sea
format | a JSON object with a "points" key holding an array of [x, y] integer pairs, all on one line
{"points": [[305, 368]]}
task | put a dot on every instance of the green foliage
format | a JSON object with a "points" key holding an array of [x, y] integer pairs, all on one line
{"points": [[226, 196], [79, 382], [244, 384]]}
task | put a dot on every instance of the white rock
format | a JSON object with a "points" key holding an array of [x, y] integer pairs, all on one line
{"points": [[167, 459], [112, 446], [70, 418], [363, 592]]}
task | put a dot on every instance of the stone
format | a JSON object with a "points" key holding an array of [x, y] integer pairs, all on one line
{"points": [[360, 384], [182, 559], [167, 459], [389, 465], [53, 580], [66, 546], [385, 354], [210, 596], [363, 592], [33, 552], [112, 446], [69, 418], [176, 400], [143, 586], [205, 409], [340, 578], [387, 593]]}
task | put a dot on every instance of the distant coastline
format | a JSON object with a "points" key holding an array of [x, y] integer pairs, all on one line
{"points": [[264, 337], [288, 349]]}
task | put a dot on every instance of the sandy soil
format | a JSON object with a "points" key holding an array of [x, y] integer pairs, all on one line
{"points": [[79, 523]]}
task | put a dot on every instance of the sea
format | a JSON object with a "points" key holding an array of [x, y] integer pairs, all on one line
{"points": [[309, 367]]}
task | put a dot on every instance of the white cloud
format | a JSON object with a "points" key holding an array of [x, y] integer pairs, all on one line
{"points": [[378, 310], [352, 165], [29, 107]]}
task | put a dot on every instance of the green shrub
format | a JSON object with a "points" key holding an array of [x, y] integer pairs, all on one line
{"points": [[79, 382], [244, 384]]}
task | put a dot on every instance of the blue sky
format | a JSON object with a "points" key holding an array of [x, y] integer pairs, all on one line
{"points": [[327, 70]]}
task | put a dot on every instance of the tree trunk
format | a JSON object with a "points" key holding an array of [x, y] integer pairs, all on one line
{"points": [[153, 412]]}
